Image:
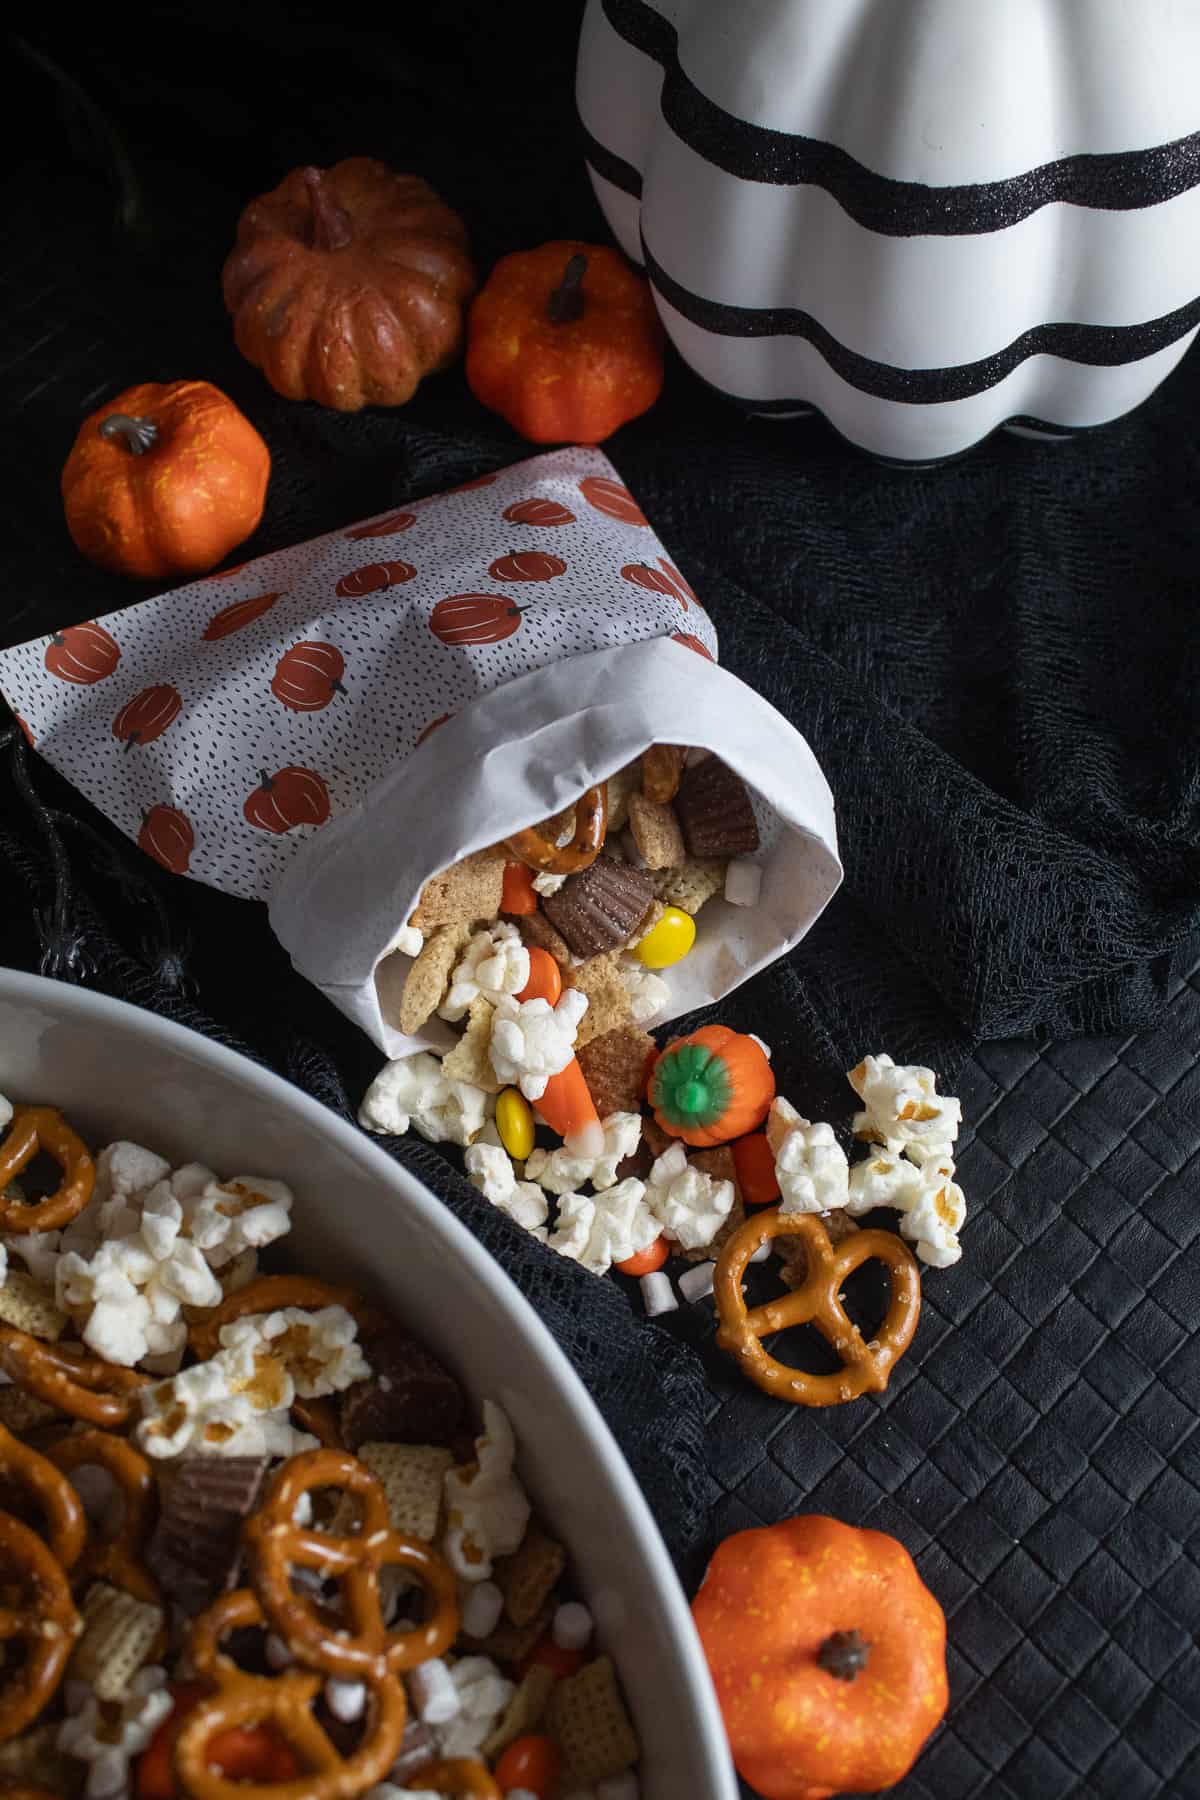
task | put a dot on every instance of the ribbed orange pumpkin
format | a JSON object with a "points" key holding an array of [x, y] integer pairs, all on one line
{"points": [[347, 284], [712, 1086], [164, 480], [565, 343], [828, 1654]]}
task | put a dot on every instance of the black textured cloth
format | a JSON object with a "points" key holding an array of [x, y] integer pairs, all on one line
{"points": [[995, 662]]}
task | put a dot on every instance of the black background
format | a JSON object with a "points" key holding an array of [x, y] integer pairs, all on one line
{"points": [[997, 665]]}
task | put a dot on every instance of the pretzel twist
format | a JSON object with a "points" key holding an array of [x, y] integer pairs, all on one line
{"points": [[47, 1625], [456, 1775], [85, 1387], [361, 1647], [63, 1518], [283, 1701], [662, 771], [117, 1557], [35, 1128], [591, 824], [866, 1366]]}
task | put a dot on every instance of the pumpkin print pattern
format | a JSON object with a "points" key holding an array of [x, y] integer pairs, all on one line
{"points": [[279, 671], [432, 727], [474, 619], [147, 715], [613, 499], [684, 589], [374, 578], [292, 797], [227, 574], [692, 643], [388, 527], [527, 565], [83, 654], [308, 676], [641, 575], [167, 836], [539, 512], [237, 614]]}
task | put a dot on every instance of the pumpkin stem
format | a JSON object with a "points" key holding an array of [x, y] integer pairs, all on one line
{"points": [[264, 780], [330, 225], [843, 1655], [137, 435], [566, 302]]}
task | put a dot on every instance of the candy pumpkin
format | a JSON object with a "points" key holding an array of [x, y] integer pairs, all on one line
{"points": [[712, 1086], [828, 1655], [347, 285], [564, 343], [164, 480]]}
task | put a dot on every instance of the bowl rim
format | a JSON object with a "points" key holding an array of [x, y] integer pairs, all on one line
{"points": [[90, 1006]]}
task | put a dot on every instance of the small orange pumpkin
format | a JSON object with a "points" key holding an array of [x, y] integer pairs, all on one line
{"points": [[828, 1654], [347, 285], [712, 1086], [165, 480], [564, 343]]}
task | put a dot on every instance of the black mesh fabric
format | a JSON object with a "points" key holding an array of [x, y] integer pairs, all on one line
{"points": [[997, 666]]}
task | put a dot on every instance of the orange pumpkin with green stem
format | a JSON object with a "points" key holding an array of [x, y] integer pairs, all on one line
{"points": [[164, 480], [828, 1655], [564, 342], [712, 1086]]}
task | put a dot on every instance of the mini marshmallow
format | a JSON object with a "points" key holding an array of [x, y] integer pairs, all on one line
{"points": [[6, 1112], [658, 1296], [408, 941], [762, 1253], [697, 1282], [482, 1605], [532, 1040], [346, 1700], [434, 1696], [572, 1626], [743, 882], [277, 1653]]}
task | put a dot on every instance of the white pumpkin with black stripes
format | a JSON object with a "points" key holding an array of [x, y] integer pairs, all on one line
{"points": [[921, 218]]}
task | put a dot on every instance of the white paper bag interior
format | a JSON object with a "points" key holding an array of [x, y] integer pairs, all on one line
{"points": [[521, 753]]}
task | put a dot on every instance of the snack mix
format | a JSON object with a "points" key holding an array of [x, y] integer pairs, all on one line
{"points": [[617, 1154], [252, 1533]]}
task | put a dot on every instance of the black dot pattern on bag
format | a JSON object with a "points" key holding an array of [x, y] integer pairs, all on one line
{"points": [[363, 672]]}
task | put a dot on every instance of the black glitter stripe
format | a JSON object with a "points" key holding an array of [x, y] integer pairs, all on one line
{"points": [[1120, 181], [614, 168], [1102, 346]]}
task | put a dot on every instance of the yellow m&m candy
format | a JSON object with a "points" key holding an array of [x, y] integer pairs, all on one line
{"points": [[669, 941], [514, 1122]]}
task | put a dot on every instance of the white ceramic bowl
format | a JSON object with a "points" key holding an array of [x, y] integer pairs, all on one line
{"points": [[120, 1072]]}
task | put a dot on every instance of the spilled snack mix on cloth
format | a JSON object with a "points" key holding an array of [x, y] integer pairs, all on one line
{"points": [[252, 1530], [547, 950]]}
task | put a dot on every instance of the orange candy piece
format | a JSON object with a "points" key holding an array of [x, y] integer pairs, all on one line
{"points": [[518, 895], [567, 1105], [755, 1168], [545, 977], [644, 1262]]}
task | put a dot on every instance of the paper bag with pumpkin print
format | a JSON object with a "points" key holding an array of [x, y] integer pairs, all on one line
{"points": [[327, 727]]}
